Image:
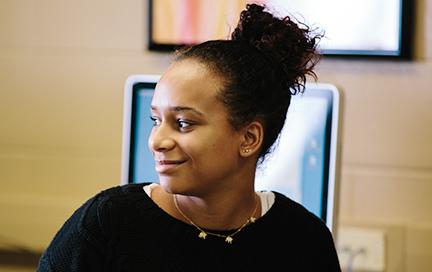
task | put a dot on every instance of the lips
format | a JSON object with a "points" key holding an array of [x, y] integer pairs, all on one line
{"points": [[167, 166]]}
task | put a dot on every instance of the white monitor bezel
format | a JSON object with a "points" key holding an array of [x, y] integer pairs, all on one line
{"points": [[334, 171]]}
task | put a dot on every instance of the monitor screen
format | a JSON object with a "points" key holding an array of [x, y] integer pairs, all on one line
{"points": [[351, 27], [303, 164]]}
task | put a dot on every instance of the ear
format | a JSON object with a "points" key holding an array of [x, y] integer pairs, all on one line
{"points": [[252, 139]]}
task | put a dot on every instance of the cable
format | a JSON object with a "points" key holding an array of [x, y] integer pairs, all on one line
{"points": [[352, 254]]}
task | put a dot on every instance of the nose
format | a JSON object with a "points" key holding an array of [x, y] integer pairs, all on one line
{"points": [[160, 139]]}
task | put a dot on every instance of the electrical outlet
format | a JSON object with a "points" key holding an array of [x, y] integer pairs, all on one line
{"points": [[361, 249]]}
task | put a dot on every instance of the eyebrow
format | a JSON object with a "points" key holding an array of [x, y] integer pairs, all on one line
{"points": [[183, 109]]}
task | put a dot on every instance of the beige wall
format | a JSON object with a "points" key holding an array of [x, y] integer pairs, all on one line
{"points": [[62, 69]]}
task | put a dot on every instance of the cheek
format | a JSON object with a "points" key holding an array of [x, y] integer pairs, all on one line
{"points": [[222, 147], [211, 144]]}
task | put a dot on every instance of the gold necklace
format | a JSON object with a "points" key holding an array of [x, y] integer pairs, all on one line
{"points": [[203, 233]]}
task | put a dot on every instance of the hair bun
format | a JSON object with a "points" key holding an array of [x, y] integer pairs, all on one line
{"points": [[281, 39], [252, 24]]}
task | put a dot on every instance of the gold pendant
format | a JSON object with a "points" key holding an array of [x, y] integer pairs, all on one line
{"points": [[202, 235], [229, 239]]}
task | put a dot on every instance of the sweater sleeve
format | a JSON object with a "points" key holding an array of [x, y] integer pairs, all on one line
{"points": [[80, 244], [331, 262], [323, 250]]}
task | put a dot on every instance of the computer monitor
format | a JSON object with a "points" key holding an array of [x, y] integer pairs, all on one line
{"points": [[303, 166]]}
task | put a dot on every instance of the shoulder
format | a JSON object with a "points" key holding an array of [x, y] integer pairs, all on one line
{"points": [[122, 190], [82, 240], [119, 194], [114, 201], [288, 208], [103, 208], [293, 216], [307, 231]]}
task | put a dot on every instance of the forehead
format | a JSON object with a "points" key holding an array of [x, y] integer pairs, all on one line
{"points": [[188, 83]]}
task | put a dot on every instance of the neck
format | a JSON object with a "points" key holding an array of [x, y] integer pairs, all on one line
{"points": [[224, 214]]}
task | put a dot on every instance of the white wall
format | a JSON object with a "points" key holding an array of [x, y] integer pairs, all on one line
{"points": [[62, 70]]}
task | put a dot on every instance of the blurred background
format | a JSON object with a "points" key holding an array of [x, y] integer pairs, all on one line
{"points": [[63, 65]]}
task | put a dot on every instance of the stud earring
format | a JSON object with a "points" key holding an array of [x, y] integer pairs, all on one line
{"points": [[246, 150]]}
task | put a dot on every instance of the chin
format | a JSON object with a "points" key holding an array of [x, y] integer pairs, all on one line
{"points": [[174, 186], [167, 185]]}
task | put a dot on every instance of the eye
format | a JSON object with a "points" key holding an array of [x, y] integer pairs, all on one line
{"points": [[183, 124], [155, 120]]}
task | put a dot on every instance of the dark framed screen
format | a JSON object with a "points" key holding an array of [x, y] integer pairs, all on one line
{"points": [[351, 28]]}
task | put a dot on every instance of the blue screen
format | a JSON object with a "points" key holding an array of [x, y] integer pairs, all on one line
{"points": [[297, 167], [142, 163]]}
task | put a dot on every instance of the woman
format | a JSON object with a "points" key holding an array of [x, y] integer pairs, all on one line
{"points": [[217, 112]]}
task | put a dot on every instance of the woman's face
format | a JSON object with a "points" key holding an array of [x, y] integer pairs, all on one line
{"points": [[195, 148]]}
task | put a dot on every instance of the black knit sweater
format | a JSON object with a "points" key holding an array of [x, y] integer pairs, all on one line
{"points": [[122, 229]]}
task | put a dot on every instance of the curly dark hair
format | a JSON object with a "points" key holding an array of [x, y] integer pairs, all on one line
{"points": [[266, 60]]}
